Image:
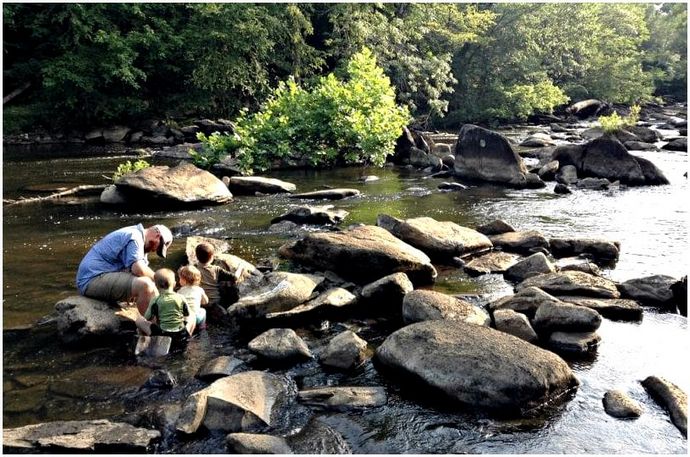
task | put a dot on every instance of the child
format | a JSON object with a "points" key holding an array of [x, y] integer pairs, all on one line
{"points": [[212, 277], [194, 295]]}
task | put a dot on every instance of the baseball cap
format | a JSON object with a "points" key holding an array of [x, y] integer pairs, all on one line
{"points": [[166, 239]]}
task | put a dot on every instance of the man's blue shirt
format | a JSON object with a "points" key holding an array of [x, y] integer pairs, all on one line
{"points": [[117, 251]]}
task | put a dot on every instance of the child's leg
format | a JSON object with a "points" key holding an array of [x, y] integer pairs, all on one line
{"points": [[201, 319]]}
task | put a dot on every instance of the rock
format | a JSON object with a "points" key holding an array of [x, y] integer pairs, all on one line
{"points": [[477, 365], [256, 443], [286, 228], [237, 402], [587, 108], [328, 194], [184, 184], [548, 171], [94, 136], [452, 186], [526, 301], [520, 242], [404, 145], [484, 155], [639, 146], [438, 239], [249, 185], [493, 262], [572, 283], [388, 292], [318, 438], [161, 379], [652, 175], [157, 140], [193, 412], [644, 133], [85, 320], [208, 127], [552, 317], [593, 183], [368, 245], [369, 178], [678, 144], [538, 140], [680, 295], [280, 344], [562, 189], [585, 267], [421, 159], [228, 166], [495, 227], [219, 247], [331, 300], [531, 266], [650, 291], [116, 134], [345, 351], [567, 174], [612, 308], [600, 251], [672, 398], [274, 292], [111, 196], [343, 398], [319, 215], [219, 367], [94, 436], [577, 344], [424, 305], [152, 346], [619, 404], [516, 324]]}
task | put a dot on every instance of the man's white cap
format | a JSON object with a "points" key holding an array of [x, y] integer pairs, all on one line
{"points": [[166, 239]]}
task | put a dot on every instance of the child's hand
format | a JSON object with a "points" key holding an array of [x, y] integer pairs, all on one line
{"points": [[131, 313]]}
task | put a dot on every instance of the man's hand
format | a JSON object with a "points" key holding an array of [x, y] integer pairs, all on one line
{"points": [[139, 268]]}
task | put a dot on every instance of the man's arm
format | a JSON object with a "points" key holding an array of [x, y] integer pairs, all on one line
{"points": [[139, 268]]}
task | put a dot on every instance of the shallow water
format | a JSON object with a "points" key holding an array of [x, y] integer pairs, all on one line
{"points": [[44, 242]]}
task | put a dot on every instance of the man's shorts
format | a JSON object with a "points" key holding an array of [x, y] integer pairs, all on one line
{"points": [[111, 287]]}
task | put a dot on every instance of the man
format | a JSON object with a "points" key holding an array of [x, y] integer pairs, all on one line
{"points": [[116, 268]]}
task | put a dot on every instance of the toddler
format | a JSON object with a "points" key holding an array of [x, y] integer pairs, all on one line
{"points": [[194, 295]]}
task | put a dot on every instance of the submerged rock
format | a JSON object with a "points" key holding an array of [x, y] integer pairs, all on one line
{"points": [[249, 185], [318, 438], [619, 404], [423, 305], [280, 344], [572, 283], [345, 351], [343, 398], [318, 215], [328, 194], [477, 365], [257, 443], [672, 398]]}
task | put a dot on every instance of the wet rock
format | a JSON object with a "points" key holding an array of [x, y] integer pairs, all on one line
{"points": [[344, 352], [183, 185], [644, 133], [343, 398], [619, 404], [680, 295], [193, 411], [452, 186], [574, 344], [280, 344], [587, 108], [243, 400], [256, 443], [318, 438], [672, 398], [115, 134], [548, 171], [639, 146], [85, 320], [219, 247], [286, 228], [249, 185], [476, 365], [437, 239], [424, 305], [112, 196], [161, 379], [388, 292], [600, 251], [95, 436], [219, 367], [585, 267], [208, 126], [495, 227], [593, 183], [318, 215], [331, 300], [526, 301], [493, 262], [567, 174], [516, 324], [369, 178], [678, 144], [368, 245], [562, 189], [274, 292], [572, 283], [520, 242], [652, 175], [613, 308], [551, 317], [484, 155], [650, 291], [531, 266], [228, 166], [152, 346], [538, 140], [328, 194]]}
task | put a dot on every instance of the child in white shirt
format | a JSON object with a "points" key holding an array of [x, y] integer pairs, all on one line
{"points": [[194, 295]]}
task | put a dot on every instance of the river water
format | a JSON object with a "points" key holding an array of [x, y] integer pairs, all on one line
{"points": [[44, 242]]}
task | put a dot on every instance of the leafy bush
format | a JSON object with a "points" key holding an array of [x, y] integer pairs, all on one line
{"points": [[213, 149], [615, 123], [129, 167]]}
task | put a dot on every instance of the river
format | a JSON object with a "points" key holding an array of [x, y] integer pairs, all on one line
{"points": [[43, 244]]}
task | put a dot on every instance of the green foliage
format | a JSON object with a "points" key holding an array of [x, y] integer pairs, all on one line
{"points": [[213, 149], [615, 123], [129, 167]]}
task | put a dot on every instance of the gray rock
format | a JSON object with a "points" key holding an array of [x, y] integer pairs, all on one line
{"points": [[256, 443], [551, 317], [567, 174], [85, 320], [526, 301], [493, 262], [286, 228], [152, 346], [318, 438], [585, 267], [538, 140], [601, 251], [586, 108], [94, 436], [319, 215], [548, 171], [116, 134], [345, 351], [208, 126], [328, 194], [612, 308], [672, 398], [652, 175], [639, 146], [651, 290], [577, 344], [593, 183], [343, 398], [331, 300], [249, 185], [619, 404], [389, 291], [219, 367], [193, 412], [368, 245], [521, 242], [94, 136], [516, 324], [423, 305], [280, 344], [531, 266], [572, 283], [561, 189], [369, 178], [161, 379], [476, 365], [438, 239], [495, 227], [112, 196], [678, 144], [644, 133]]}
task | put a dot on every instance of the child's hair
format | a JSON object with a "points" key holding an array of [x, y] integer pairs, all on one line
{"points": [[204, 252], [164, 278], [190, 274]]}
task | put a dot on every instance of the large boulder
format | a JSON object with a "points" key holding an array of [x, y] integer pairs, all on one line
{"points": [[280, 344], [477, 365], [423, 305], [72, 437], [319, 215], [601, 251], [250, 185], [526, 242], [533, 265], [677, 144], [652, 175], [651, 290], [672, 398], [587, 108], [438, 239], [481, 154], [85, 320], [572, 283], [183, 185], [375, 247]]}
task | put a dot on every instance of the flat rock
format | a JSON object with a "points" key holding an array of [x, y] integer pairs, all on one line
{"points": [[280, 344], [256, 443], [328, 194], [598, 250], [551, 317], [533, 265], [572, 283], [651, 290], [423, 305], [344, 352], [249, 185], [612, 308], [493, 262], [476, 365], [85, 320], [520, 242], [495, 227], [525, 301], [619, 404], [317, 215], [343, 398], [574, 343], [219, 367], [672, 398], [331, 300]]}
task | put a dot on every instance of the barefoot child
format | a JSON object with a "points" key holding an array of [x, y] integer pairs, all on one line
{"points": [[190, 278]]}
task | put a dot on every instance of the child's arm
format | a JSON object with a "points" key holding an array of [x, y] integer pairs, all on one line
{"points": [[204, 297]]}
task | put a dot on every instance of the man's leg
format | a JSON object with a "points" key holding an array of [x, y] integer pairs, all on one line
{"points": [[143, 290]]}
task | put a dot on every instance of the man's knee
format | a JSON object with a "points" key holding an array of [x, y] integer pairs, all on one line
{"points": [[143, 285]]}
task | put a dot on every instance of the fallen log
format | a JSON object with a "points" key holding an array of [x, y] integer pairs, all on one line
{"points": [[72, 191]]}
